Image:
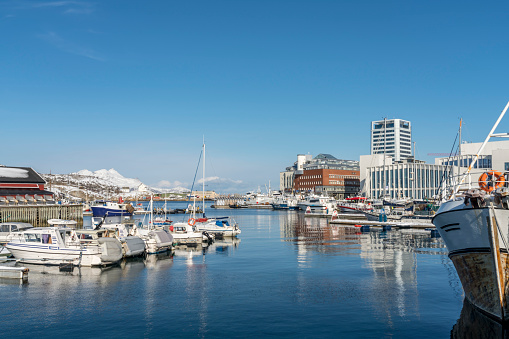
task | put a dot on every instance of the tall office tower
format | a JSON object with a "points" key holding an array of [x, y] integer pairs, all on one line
{"points": [[392, 137]]}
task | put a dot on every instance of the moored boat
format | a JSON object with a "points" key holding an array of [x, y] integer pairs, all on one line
{"points": [[7, 229], [61, 245], [474, 226], [109, 208], [220, 227]]}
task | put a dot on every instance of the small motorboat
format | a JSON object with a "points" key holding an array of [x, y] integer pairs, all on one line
{"points": [[62, 245]]}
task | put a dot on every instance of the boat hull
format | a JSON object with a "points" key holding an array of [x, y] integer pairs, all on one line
{"points": [[476, 241], [54, 255], [100, 211]]}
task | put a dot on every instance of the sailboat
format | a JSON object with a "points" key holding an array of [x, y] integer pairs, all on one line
{"points": [[473, 222], [219, 227]]}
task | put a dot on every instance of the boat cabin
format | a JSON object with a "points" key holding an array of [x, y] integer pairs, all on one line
{"points": [[59, 236], [7, 228]]}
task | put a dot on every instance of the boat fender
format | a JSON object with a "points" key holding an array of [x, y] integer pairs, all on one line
{"points": [[491, 180], [191, 222], [205, 233]]}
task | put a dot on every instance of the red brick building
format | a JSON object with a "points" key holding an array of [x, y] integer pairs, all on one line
{"points": [[338, 183]]}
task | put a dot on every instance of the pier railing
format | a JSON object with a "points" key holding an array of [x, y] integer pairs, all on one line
{"points": [[38, 215]]}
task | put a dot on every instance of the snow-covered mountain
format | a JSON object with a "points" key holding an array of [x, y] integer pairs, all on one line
{"points": [[110, 177], [101, 183]]}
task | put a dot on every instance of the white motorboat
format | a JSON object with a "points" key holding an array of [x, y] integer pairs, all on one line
{"points": [[156, 240], [9, 228], [61, 245], [123, 231], [185, 233], [223, 227], [318, 204], [259, 200]]}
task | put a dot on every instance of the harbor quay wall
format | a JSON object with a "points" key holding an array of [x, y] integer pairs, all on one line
{"points": [[39, 215]]}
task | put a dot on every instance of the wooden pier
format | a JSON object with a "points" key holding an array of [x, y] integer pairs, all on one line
{"points": [[38, 215]]}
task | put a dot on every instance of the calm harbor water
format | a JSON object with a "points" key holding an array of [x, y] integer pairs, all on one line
{"points": [[286, 276]]}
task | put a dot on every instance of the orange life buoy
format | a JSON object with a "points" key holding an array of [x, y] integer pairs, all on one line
{"points": [[191, 222], [486, 181]]}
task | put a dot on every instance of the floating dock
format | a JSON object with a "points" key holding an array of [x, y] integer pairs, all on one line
{"points": [[349, 216], [9, 272], [395, 224]]}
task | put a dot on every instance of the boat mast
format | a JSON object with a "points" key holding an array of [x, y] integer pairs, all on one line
{"points": [[385, 149], [203, 183], [151, 212], [491, 134]]}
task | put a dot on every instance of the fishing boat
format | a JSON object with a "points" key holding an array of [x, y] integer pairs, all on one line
{"points": [[473, 222], [103, 208], [285, 203], [62, 245]]}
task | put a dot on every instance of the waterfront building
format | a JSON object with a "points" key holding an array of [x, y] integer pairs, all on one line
{"points": [[287, 177], [495, 155], [408, 178], [21, 186], [392, 137], [209, 195], [415, 179], [323, 174]]}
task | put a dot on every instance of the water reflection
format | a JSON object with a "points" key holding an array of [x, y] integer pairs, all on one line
{"points": [[390, 256], [474, 324]]}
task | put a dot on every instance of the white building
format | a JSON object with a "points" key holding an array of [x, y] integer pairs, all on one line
{"points": [[392, 137], [495, 155], [409, 178], [417, 180]]}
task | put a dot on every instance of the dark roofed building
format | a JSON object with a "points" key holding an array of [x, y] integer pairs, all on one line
{"points": [[22, 185]]}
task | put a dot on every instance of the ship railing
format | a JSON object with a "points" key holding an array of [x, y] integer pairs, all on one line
{"points": [[455, 186]]}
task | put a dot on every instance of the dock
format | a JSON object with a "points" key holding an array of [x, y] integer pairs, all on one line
{"points": [[395, 224], [349, 216], [11, 272]]}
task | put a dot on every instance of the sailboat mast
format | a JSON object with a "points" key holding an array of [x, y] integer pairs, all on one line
{"points": [[385, 149], [203, 183]]}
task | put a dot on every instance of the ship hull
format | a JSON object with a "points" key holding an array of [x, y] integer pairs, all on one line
{"points": [[476, 241]]}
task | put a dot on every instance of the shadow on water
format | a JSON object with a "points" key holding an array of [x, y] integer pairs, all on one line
{"points": [[474, 324]]}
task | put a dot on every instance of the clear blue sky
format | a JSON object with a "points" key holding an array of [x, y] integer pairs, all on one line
{"points": [[135, 85]]}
